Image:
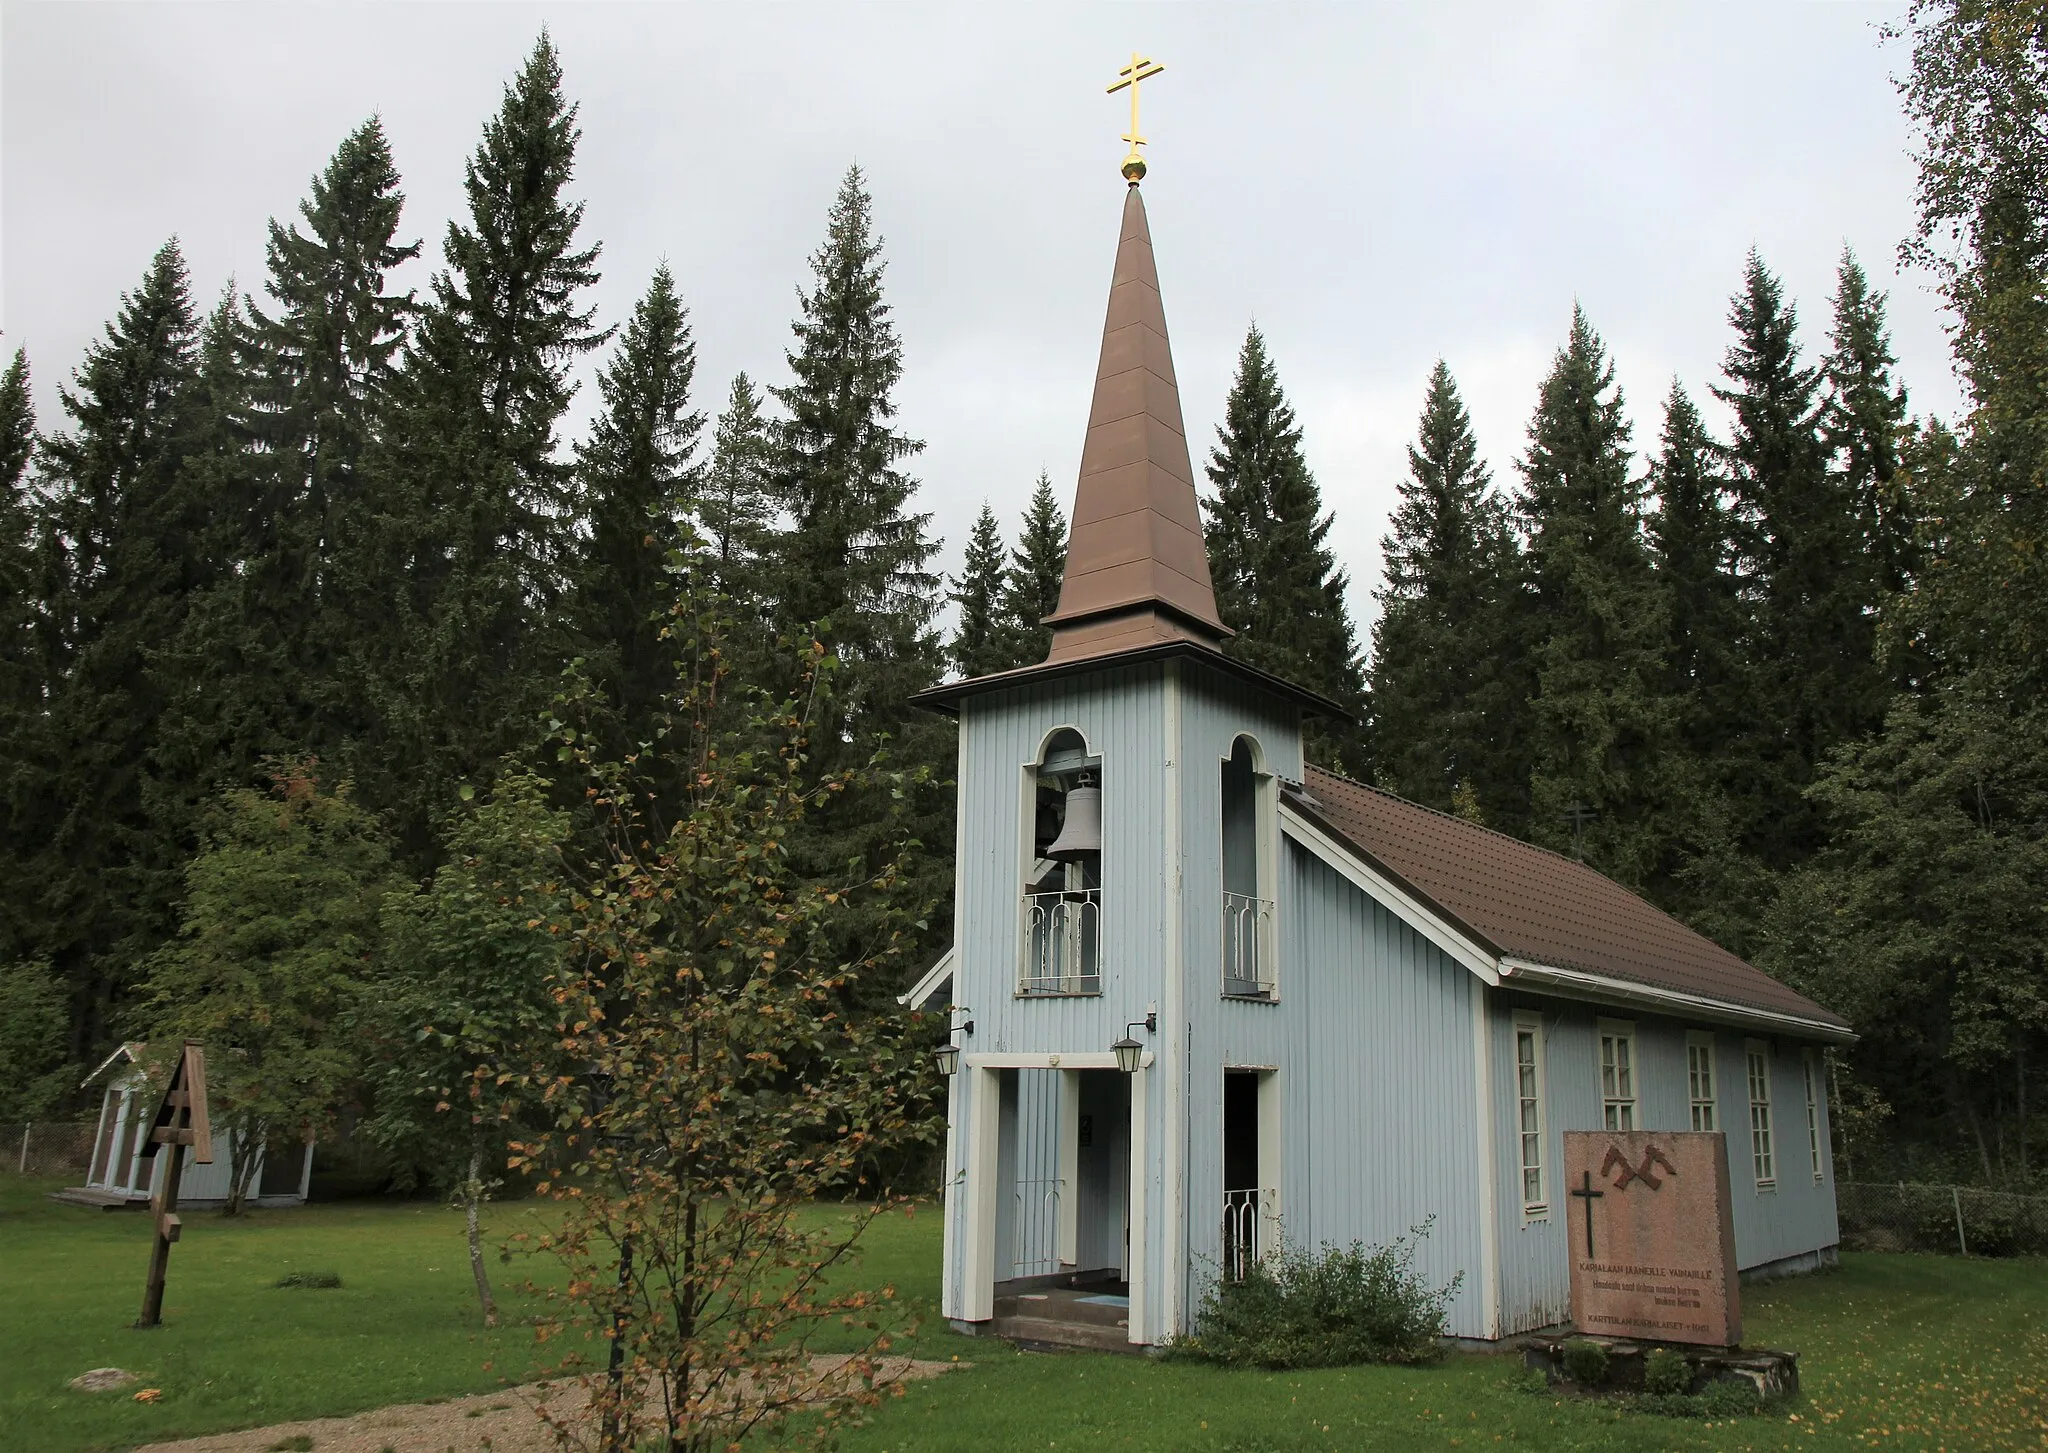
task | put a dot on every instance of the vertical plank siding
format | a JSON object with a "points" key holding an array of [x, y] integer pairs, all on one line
{"points": [[1120, 713], [1794, 1218], [1382, 1105], [1372, 1040]]}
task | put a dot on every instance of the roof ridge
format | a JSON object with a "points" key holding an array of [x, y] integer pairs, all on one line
{"points": [[1466, 822]]}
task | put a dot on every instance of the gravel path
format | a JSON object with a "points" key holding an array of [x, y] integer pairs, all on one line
{"points": [[493, 1422]]}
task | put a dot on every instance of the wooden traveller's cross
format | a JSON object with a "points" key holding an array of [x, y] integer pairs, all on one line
{"points": [[180, 1121]]}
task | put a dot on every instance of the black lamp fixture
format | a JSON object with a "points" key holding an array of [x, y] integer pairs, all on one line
{"points": [[1127, 1050], [947, 1055]]}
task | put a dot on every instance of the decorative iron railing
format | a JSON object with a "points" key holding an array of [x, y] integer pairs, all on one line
{"points": [[1247, 946], [1062, 942], [1244, 1232]]}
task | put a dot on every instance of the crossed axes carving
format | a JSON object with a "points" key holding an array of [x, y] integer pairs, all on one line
{"points": [[1651, 1158]]}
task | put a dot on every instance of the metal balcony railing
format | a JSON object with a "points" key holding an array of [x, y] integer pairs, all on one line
{"points": [[1062, 942], [1247, 946], [1244, 1232]]}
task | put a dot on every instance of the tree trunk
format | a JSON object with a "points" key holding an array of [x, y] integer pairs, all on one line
{"points": [[248, 1144], [1977, 1132], [472, 1197]]}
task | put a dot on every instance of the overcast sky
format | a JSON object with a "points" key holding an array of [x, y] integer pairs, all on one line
{"points": [[1376, 185]]}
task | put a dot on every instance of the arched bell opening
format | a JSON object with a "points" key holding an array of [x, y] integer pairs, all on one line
{"points": [[1063, 870]]}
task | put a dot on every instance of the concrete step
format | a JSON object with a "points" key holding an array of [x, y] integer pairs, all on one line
{"points": [[1065, 1307], [1046, 1331]]}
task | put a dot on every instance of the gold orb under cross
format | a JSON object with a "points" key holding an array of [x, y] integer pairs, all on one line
{"points": [[1140, 69]]}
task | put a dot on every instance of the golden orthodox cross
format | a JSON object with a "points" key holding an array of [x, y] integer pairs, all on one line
{"points": [[1140, 69]]}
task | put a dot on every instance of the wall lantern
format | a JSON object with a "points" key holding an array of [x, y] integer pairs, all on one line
{"points": [[1127, 1050], [947, 1055]]}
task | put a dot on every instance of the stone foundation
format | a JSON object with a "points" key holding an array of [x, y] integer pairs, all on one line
{"points": [[1824, 1259]]}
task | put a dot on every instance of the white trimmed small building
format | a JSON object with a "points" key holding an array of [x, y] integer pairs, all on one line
{"points": [[120, 1175]]}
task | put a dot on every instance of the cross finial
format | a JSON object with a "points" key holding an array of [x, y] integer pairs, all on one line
{"points": [[1140, 69]]}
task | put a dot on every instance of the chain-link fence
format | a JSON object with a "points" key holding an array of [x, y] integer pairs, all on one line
{"points": [[1955, 1220], [52, 1148]]}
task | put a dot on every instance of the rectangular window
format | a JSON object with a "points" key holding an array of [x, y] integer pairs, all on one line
{"points": [[1812, 1112], [1529, 1113], [1617, 1074], [1762, 1151], [1699, 1080]]}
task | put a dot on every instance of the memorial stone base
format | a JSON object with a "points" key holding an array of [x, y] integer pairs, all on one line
{"points": [[1772, 1373]]}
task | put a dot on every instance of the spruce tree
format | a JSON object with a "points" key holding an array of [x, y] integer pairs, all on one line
{"points": [[850, 566], [733, 507], [1450, 683], [1038, 567], [979, 644], [23, 758], [321, 371], [639, 483], [849, 571], [1604, 718], [1278, 584], [1692, 547], [1865, 426], [228, 687], [20, 680], [476, 503], [117, 554], [1810, 643]]}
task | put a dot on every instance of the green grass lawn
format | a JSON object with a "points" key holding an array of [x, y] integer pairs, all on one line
{"points": [[1898, 1351]]}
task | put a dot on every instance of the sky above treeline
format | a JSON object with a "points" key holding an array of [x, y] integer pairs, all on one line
{"points": [[1377, 186]]}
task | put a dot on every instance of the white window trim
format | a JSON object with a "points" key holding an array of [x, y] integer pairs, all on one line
{"points": [[1705, 1040], [1809, 1061], [1763, 1142], [1531, 1023], [1620, 1032]]}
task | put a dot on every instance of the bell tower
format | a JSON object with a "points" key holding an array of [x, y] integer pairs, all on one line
{"points": [[1095, 892]]}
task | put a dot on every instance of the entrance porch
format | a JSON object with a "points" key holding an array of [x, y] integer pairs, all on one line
{"points": [[1045, 1206]]}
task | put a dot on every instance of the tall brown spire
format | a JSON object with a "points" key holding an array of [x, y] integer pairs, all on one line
{"points": [[1137, 573]]}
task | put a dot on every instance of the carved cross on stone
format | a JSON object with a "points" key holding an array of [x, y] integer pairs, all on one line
{"points": [[1587, 1194]]}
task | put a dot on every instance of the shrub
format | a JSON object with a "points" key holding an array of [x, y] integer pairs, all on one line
{"points": [[1666, 1373], [310, 1280], [1585, 1363], [1333, 1308], [1716, 1400]]}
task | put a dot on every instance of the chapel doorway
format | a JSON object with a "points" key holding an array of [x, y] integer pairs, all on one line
{"points": [[1102, 1175], [1248, 1164]]}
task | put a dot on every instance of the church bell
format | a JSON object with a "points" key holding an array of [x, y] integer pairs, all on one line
{"points": [[1081, 833]]}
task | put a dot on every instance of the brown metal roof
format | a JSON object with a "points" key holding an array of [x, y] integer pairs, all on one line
{"points": [[1137, 571], [1524, 902]]}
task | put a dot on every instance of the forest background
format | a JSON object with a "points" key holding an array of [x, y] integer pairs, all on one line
{"points": [[308, 596]]}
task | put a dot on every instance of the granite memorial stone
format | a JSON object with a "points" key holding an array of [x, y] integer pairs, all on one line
{"points": [[1651, 1236]]}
